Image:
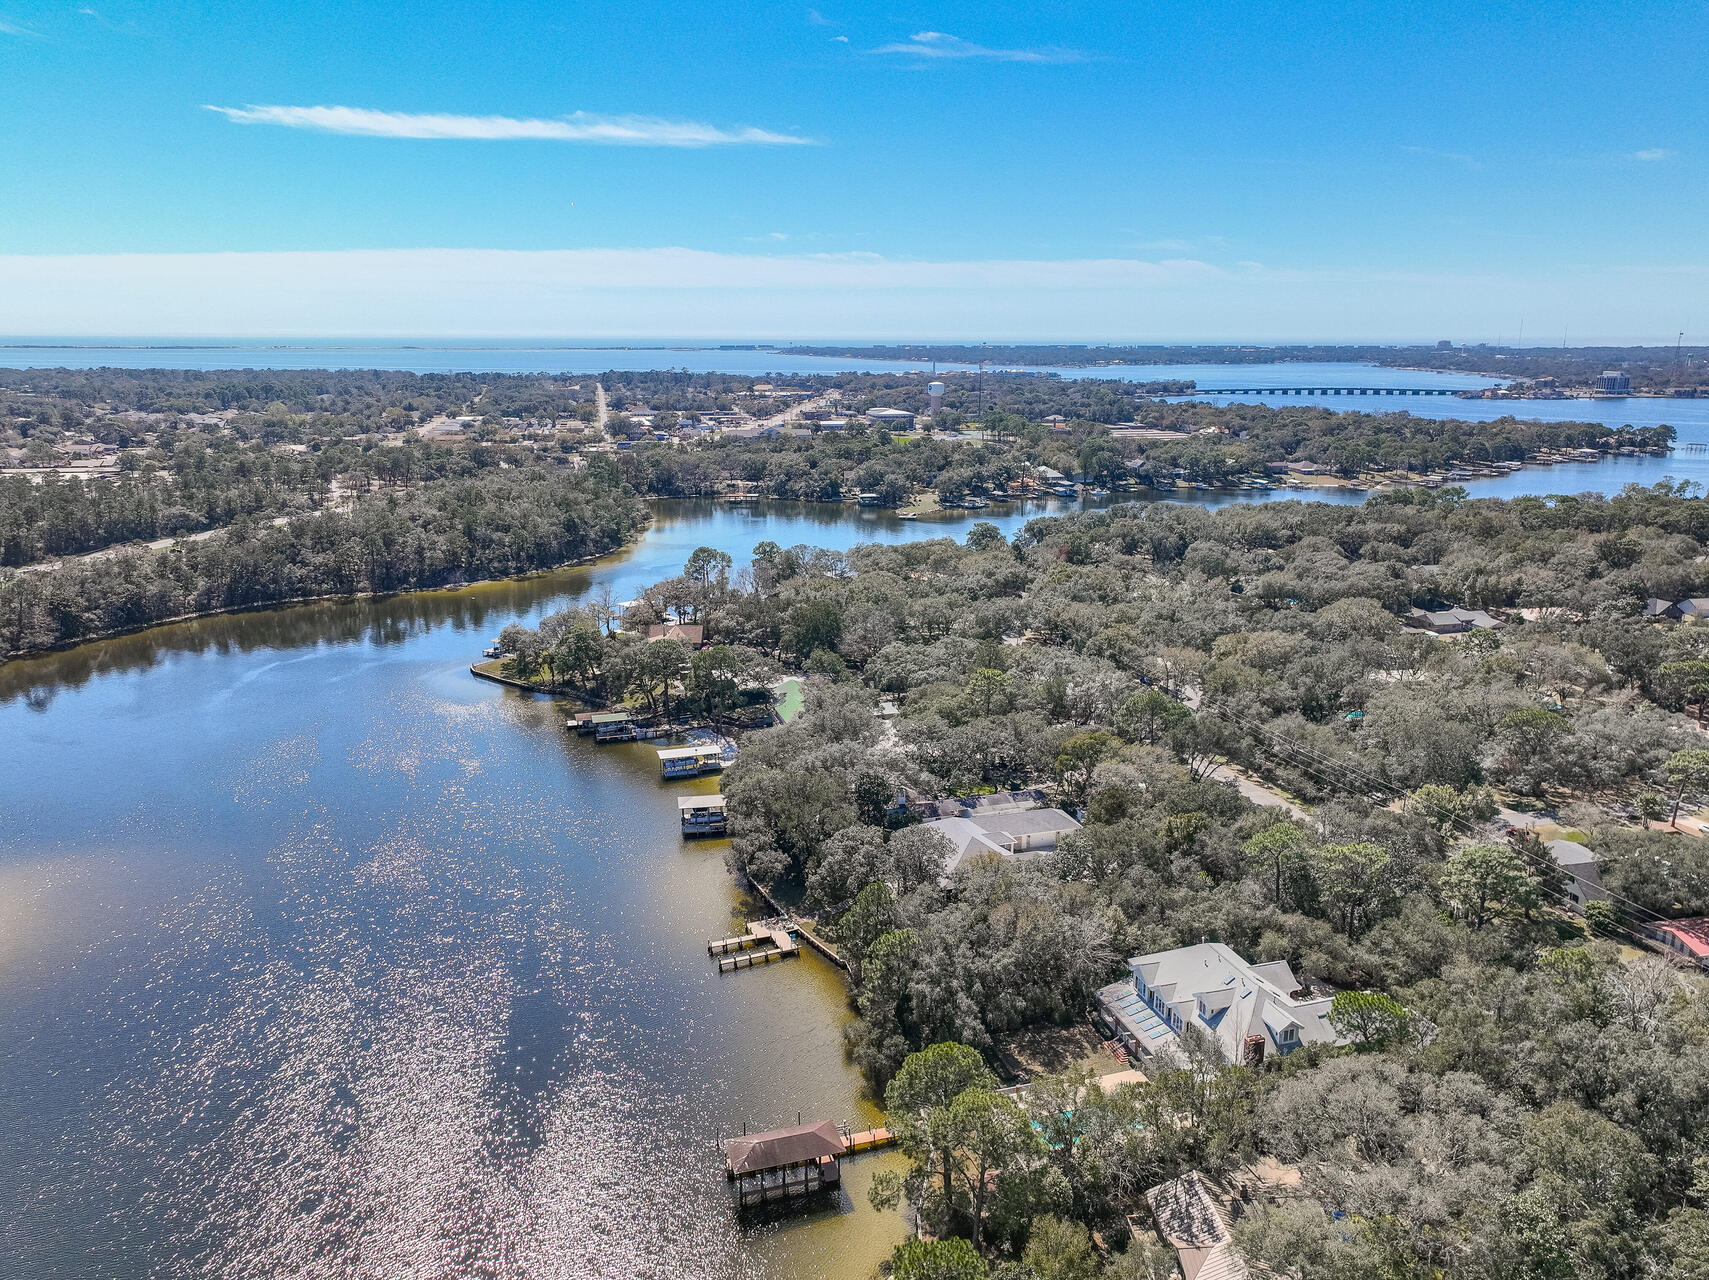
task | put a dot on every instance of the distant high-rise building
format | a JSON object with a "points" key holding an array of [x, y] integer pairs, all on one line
{"points": [[1447, 344], [1615, 383]]}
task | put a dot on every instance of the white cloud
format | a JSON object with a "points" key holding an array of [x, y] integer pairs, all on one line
{"points": [[1457, 157], [839, 39], [1654, 153], [674, 293], [938, 45], [638, 131], [10, 28]]}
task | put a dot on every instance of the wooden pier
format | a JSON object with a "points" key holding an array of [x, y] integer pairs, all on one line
{"points": [[764, 942], [867, 1140]]}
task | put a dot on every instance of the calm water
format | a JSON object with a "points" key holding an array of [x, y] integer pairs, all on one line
{"points": [[320, 957]]}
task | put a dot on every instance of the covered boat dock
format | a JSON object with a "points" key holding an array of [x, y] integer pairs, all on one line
{"points": [[782, 1164], [702, 815], [690, 761]]}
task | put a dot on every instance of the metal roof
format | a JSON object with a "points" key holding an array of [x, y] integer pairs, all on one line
{"points": [[754, 1153]]}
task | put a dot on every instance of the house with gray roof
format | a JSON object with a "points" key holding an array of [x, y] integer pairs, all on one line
{"points": [[1448, 622], [1585, 876], [967, 806], [1009, 833], [1248, 1010], [1677, 610]]}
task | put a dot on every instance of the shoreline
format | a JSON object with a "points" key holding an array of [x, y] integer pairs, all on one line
{"points": [[261, 606], [917, 506]]}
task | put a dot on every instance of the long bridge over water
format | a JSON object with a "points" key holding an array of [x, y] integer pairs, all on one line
{"points": [[1324, 391]]}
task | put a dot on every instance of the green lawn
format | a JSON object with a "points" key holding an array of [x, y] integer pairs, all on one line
{"points": [[789, 700]]}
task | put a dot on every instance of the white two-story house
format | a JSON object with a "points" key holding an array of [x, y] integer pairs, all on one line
{"points": [[1248, 1010]]}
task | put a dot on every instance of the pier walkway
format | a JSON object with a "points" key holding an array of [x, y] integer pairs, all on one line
{"points": [[764, 942]]}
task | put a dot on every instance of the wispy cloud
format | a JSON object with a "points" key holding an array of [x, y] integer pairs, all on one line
{"points": [[1654, 153], [635, 131], [817, 19], [938, 45], [10, 28], [1457, 157]]}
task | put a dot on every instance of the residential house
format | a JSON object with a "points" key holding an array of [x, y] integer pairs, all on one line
{"points": [[1248, 1010], [1009, 833], [1677, 610], [1688, 938], [1580, 863], [1195, 1220], [690, 634], [1448, 622], [967, 806]]}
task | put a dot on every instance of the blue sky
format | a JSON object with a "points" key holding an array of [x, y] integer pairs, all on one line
{"points": [[1141, 170]]}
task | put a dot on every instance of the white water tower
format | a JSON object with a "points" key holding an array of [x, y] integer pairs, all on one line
{"points": [[936, 391]]}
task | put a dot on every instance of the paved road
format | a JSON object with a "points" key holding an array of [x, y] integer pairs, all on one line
{"points": [[793, 412], [159, 544], [1257, 792]]}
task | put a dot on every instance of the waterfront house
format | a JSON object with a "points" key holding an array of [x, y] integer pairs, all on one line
{"points": [[1687, 938], [967, 806], [1580, 864], [1009, 833], [1248, 1010]]}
